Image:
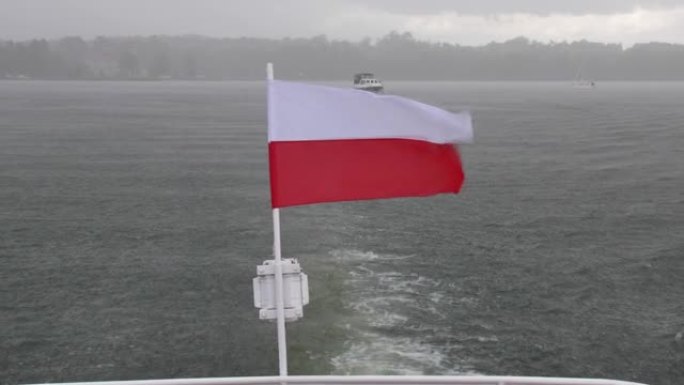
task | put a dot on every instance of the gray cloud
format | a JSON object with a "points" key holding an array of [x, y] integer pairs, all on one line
{"points": [[34, 18], [491, 7], [461, 21]]}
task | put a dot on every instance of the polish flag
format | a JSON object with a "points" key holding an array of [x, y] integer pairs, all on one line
{"points": [[331, 144]]}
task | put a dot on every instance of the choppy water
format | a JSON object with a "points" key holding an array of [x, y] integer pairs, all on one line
{"points": [[132, 216]]}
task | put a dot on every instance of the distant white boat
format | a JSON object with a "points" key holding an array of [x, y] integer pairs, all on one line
{"points": [[367, 82], [583, 84], [580, 81]]}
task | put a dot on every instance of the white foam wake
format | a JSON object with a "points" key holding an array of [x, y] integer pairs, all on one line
{"points": [[384, 339]]}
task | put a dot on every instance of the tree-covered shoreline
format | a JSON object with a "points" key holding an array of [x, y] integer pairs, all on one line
{"points": [[395, 56]]}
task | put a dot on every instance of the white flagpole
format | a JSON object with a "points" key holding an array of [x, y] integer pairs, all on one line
{"points": [[280, 308]]}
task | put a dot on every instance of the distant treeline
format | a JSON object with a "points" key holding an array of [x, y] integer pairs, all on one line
{"points": [[395, 56]]}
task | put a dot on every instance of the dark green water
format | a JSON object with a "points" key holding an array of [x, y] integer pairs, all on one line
{"points": [[132, 216]]}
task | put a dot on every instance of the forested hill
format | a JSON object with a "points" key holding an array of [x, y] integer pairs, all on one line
{"points": [[396, 56]]}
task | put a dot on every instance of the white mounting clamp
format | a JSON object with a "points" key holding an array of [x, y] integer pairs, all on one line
{"points": [[295, 290]]}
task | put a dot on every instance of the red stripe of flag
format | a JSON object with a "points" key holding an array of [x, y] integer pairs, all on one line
{"points": [[316, 171]]}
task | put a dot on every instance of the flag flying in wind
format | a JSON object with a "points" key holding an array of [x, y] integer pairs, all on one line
{"points": [[331, 144]]}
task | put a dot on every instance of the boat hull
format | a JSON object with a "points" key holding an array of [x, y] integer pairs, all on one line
{"points": [[370, 88]]}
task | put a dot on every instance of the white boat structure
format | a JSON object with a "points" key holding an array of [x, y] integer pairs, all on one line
{"points": [[281, 291], [580, 81], [366, 81], [583, 84]]}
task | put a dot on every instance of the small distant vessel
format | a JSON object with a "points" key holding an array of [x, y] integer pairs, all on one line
{"points": [[367, 82], [583, 84], [580, 81]]}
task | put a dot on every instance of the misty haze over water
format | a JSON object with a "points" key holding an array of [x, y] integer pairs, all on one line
{"points": [[397, 56]]}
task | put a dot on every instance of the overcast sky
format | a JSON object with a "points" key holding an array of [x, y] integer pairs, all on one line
{"points": [[469, 22]]}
